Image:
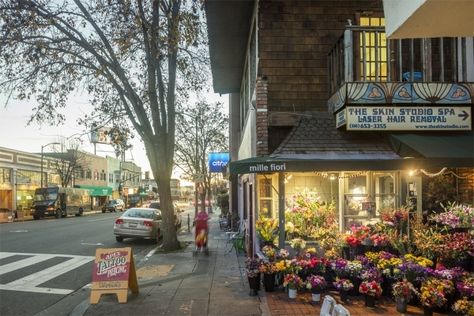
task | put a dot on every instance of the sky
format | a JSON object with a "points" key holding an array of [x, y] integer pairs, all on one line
{"points": [[16, 134]]}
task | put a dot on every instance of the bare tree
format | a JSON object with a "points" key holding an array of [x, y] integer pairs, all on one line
{"points": [[134, 58], [69, 162], [201, 129]]}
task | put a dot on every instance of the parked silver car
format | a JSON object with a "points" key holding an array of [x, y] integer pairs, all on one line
{"points": [[138, 222], [113, 206]]}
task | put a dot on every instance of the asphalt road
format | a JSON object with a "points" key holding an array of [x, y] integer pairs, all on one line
{"points": [[44, 264]]}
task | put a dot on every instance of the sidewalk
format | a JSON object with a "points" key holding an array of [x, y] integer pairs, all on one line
{"points": [[179, 284]]}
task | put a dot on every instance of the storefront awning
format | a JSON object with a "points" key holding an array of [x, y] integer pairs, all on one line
{"points": [[456, 149], [96, 190]]}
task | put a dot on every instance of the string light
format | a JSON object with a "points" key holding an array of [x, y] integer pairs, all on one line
{"points": [[333, 176], [436, 174]]}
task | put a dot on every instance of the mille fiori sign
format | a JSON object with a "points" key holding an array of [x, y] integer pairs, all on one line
{"points": [[403, 118], [113, 272]]}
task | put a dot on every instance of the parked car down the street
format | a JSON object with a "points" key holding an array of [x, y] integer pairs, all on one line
{"points": [[139, 222], [177, 212], [114, 206]]}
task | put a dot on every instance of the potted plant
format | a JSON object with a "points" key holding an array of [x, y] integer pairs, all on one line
{"points": [[403, 291], [268, 269], [343, 286], [270, 252], [433, 293], [371, 290], [267, 229], [252, 266], [316, 284], [293, 282]]}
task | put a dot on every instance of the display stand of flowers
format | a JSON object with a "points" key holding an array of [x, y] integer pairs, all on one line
{"points": [[252, 268], [403, 291], [372, 290], [343, 286], [293, 282], [317, 284], [267, 230]]}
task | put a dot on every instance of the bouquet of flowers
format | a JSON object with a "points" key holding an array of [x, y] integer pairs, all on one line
{"points": [[433, 292], [464, 307], [371, 274], [283, 253], [456, 215], [267, 228], [252, 267], [315, 282], [339, 266], [353, 268], [466, 286], [269, 251], [403, 289], [343, 284], [317, 266], [458, 246], [292, 280], [282, 265], [389, 267], [298, 243], [267, 268], [371, 288]]}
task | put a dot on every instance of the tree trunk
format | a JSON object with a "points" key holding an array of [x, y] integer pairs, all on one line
{"points": [[168, 230], [162, 174]]}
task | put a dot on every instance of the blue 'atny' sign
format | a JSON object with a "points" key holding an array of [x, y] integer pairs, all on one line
{"points": [[218, 161]]}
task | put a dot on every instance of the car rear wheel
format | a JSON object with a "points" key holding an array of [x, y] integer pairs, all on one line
{"points": [[119, 238], [158, 237]]}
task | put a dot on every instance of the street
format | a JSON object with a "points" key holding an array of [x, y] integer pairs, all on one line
{"points": [[43, 262]]}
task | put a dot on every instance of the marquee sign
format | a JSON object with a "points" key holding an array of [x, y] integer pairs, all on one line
{"points": [[392, 118]]}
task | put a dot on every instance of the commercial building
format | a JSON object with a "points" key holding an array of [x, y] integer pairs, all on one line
{"points": [[323, 104], [20, 175]]}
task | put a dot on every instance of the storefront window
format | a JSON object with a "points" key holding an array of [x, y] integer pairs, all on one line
{"points": [[265, 197], [323, 186], [365, 195]]}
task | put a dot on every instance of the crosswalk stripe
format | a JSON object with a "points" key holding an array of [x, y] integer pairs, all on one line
{"points": [[51, 272], [4, 255], [20, 264], [30, 283]]}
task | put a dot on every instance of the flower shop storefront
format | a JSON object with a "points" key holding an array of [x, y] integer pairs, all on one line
{"points": [[358, 233]]}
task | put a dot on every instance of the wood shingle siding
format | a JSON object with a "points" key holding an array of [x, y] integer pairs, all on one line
{"points": [[294, 40]]}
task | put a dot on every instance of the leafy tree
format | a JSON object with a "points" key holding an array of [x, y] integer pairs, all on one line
{"points": [[201, 129], [134, 59]]}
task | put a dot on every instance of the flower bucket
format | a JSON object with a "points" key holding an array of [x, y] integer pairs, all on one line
{"points": [[344, 295], [369, 301], [401, 305], [427, 311], [292, 293], [254, 284], [269, 282], [316, 297]]}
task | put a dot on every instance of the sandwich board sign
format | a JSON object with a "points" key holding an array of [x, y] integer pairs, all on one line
{"points": [[113, 273]]}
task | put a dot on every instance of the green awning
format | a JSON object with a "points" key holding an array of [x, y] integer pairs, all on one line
{"points": [[96, 190], [458, 149], [267, 164]]}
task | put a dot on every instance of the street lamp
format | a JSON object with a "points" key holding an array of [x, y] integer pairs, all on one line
{"points": [[42, 146]]}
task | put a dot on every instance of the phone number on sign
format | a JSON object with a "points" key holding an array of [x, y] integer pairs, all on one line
{"points": [[367, 125]]}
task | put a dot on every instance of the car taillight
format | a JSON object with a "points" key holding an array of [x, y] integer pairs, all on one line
{"points": [[119, 221], [148, 224]]}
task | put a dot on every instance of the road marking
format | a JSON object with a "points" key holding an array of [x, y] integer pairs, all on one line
{"points": [[30, 283], [24, 263], [101, 219], [19, 231], [91, 244]]}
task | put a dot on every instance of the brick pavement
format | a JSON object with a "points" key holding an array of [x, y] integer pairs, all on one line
{"points": [[280, 305]]}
